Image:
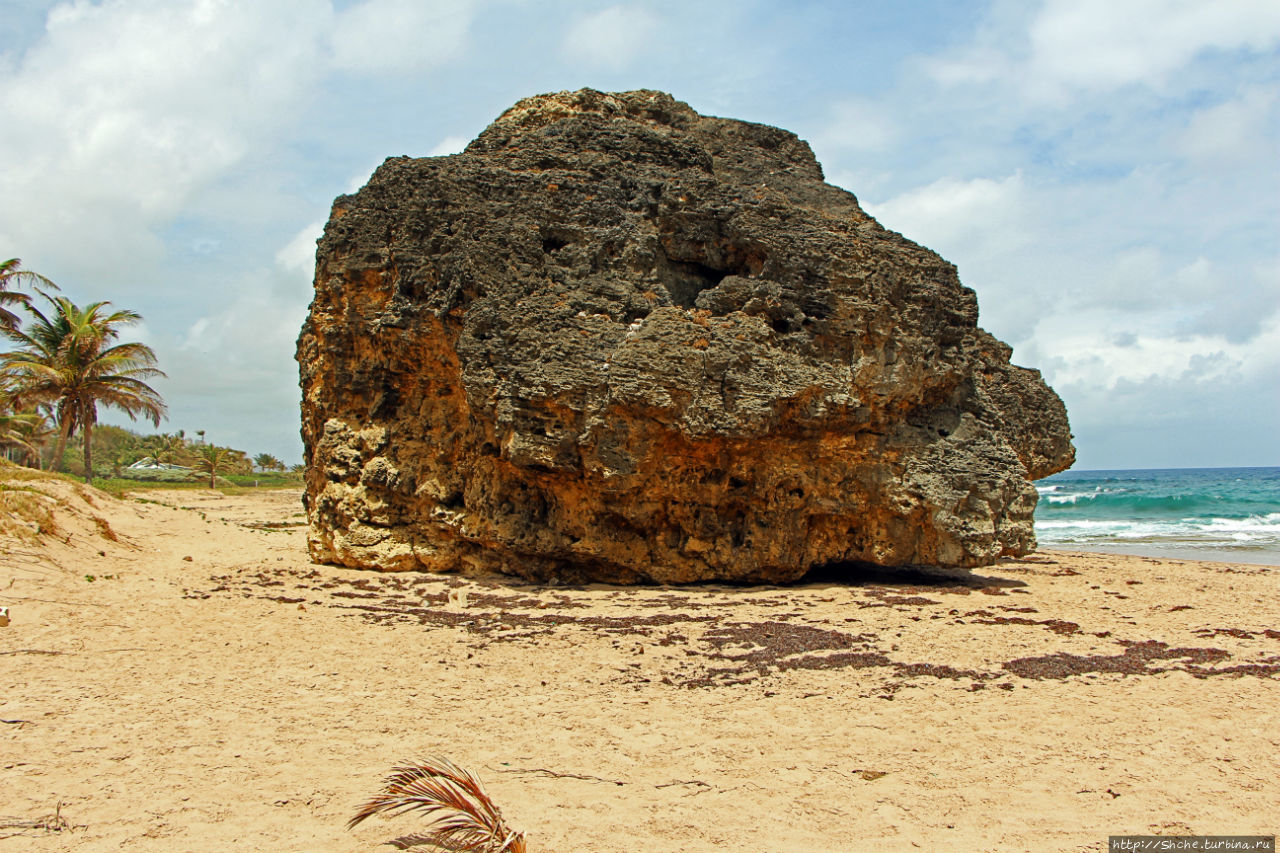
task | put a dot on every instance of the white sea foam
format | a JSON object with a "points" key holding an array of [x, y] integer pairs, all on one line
{"points": [[1256, 530], [1254, 524], [1070, 498], [1084, 524], [1058, 497]]}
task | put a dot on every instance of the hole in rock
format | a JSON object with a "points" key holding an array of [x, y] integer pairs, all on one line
{"points": [[685, 280], [553, 244]]}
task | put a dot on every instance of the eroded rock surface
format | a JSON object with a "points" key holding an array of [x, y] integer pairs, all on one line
{"points": [[616, 339]]}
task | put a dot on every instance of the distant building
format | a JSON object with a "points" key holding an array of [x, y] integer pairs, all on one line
{"points": [[150, 463]]}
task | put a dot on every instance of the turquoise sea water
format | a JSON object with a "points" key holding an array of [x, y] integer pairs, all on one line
{"points": [[1194, 513]]}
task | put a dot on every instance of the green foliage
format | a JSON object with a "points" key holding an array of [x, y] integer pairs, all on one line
{"points": [[116, 448]]}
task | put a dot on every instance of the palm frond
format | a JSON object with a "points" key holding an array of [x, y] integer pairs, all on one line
{"points": [[462, 815], [11, 273]]}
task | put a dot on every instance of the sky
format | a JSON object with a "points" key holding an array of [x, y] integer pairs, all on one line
{"points": [[1104, 173]]}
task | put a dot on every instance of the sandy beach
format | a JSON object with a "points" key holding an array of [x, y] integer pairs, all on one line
{"points": [[178, 676]]}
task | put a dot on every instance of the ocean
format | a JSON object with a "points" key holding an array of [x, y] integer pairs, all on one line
{"points": [[1230, 514]]}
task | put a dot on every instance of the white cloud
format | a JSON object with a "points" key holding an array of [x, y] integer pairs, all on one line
{"points": [[1099, 284], [1068, 49], [858, 124], [1122, 281], [449, 145], [612, 37], [361, 177], [1097, 349], [196, 336], [989, 229], [124, 110], [1234, 133], [951, 213], [976, 65], [1101, 44], [238, 332], [299, 255], [386, 36], [127, 110], [1237, 305], [231, 371]]}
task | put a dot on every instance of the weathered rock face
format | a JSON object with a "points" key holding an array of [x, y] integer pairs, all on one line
{"points": [[616, 339]]}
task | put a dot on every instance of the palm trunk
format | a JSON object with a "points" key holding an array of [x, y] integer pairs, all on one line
{"points": [[60, 448], [87, 431]]}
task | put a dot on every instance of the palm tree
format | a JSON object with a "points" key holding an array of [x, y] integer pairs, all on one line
{"points": [[34, 427], [69, 361], [267, 462], [14, 434], [11, 273], [210, 459], [171, 448]]}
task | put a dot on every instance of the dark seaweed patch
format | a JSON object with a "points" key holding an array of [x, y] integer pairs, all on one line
{"points": [[1137, 659]]}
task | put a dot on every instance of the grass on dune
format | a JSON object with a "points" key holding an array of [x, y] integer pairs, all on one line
{"points": [[235, 484], [26, 510]]}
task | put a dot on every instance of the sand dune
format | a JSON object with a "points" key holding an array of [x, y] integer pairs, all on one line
{"points": [[178, 676]]}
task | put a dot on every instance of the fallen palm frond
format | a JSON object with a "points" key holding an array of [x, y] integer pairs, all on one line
{"points": [[463, 817]]}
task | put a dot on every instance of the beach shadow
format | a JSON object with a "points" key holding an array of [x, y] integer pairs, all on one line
{"points": [[919, 578], [841, 574]]}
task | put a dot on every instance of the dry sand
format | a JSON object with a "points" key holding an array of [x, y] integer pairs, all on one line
{"points": [[211, 690]]}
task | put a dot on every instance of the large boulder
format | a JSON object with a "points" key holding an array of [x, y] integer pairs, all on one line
{"points": [[615, 339]]}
